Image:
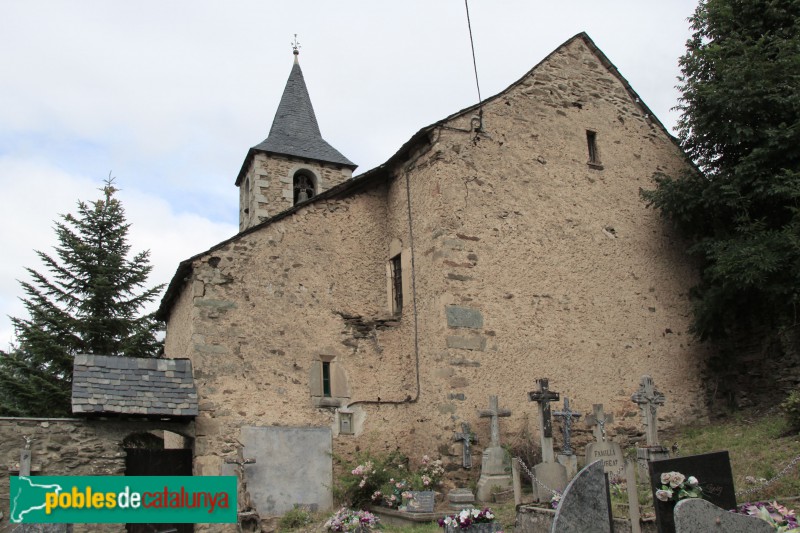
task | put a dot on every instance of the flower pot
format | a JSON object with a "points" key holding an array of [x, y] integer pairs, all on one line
{"points": [[419, 501]]}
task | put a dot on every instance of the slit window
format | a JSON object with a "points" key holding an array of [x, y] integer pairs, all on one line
{"points": [[326, 379], [591, 141], [397, 284]]}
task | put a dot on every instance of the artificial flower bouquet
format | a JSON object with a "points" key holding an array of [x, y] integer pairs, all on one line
{"points": [[675, 487]]}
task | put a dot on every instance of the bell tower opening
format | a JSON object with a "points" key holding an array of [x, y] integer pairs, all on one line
{"points": [[304, 186]]}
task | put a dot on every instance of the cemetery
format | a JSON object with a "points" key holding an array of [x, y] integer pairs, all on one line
{"points": [[583, 480], [570, 491]]}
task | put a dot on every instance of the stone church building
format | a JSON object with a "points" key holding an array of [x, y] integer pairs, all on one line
{"points": [[504, 243]]}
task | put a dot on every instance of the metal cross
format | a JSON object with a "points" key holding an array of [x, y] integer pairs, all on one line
{"points": [[649, 398], [543, 397], [295, 46], [468, 437], [567, 414], [598, 419], [495, 413]]}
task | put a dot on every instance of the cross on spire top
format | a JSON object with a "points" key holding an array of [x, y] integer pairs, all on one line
{"points": [[296, 47]]}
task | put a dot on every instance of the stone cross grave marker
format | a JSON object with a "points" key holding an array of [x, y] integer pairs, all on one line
{"points": [[467, 437], [494, 413], [597, 421], [567, 414], [495, 463], [649, 399], [543, 397]]}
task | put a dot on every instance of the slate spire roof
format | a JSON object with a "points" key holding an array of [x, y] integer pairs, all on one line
{"points": [[295, 130]]}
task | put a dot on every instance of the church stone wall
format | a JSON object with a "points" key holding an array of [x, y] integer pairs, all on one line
{"points": [[572, 277], [529, 262], [268, 307]]}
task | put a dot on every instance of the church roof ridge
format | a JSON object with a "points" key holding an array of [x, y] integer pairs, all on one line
{"points": [[295, 131]]}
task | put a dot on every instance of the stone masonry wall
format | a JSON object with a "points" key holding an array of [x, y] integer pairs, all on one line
{"points": [[70, 447], [528, 263], [559, 266], [271, 188]]}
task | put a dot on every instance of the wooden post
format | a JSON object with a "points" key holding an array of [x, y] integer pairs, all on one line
{"points": [[633, 497]]}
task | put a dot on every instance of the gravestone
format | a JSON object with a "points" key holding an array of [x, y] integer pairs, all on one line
{"points": [[598, 421], [712, 470], [695, 515], [609, 453], [549, 474], [585, 505], [460, 499], [648, 398], [495, 463], [603, 450], [567, 458], [466, 437]]}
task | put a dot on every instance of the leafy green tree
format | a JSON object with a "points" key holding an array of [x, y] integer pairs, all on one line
{"points": [[740, 125], [90, 303]]}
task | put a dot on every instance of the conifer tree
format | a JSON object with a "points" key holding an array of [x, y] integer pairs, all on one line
{"points": [[89, 302], [740, 125]]}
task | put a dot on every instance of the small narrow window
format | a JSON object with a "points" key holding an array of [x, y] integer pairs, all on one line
{"points": [[326, 379], [591, 141], [397, 284]]}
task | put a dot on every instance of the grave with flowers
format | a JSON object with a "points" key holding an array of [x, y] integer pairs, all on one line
{"points": [[471, 521], [393, 487], [706, 476], [348, 520]]}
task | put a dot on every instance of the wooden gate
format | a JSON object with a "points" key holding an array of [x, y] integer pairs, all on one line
{"points": [[158, 462]]}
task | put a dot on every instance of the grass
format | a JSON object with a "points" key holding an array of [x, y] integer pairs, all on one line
{"points": [[759, 445]]}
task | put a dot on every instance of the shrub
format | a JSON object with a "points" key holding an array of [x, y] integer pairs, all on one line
{"points": [[365, 476], [296, 518], [791, 406]]}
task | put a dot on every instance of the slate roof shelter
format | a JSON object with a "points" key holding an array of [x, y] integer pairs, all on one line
{"points": [[107, 385]]}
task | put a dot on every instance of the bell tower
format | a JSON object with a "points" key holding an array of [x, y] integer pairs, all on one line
{"points": [[294, 163]]}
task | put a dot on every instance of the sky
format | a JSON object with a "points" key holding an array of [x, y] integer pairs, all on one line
{"points": [[167, 97]]}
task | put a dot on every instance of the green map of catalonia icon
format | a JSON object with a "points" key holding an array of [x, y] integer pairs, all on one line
{"points": [[28, 497]]}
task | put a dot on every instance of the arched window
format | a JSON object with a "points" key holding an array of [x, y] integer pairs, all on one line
{"points": [[303, 184]]}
